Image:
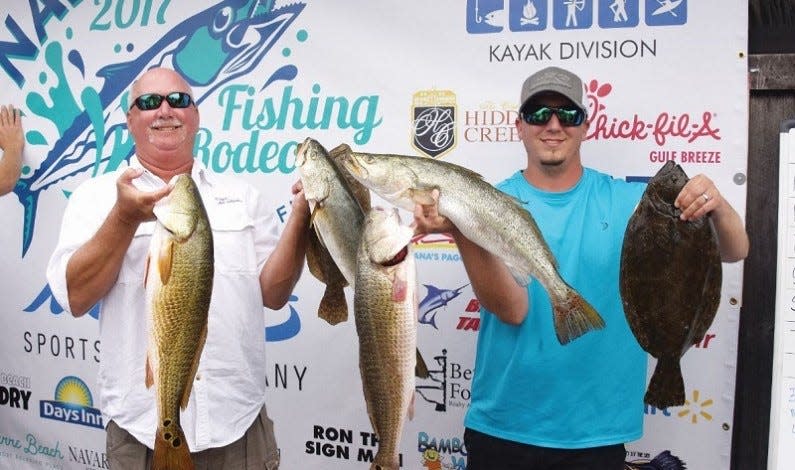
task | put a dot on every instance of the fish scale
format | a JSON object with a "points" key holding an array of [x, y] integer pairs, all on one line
{"points": [[385, 310], [178, 287], [670, 282], [486, 216], [338, 204]]}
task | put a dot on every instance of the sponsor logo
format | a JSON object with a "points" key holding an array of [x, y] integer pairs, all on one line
{"points": [[441, 452], [73, 404], [337, 443], [494, 16], [467, 322], [435, 298], [436, 247], [666, 126], [449, 383], [434, 118], [29, 449], [491, 123], [14, 390], [695, 408], [681, 136], [90, 458], [66, 347]]}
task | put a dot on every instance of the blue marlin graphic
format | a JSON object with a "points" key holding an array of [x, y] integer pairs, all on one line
{"points": [[435, 299], [209, 49]]}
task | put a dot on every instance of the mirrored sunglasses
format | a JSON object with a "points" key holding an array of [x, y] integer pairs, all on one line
{"points": [[539, 115], [149, 101]]}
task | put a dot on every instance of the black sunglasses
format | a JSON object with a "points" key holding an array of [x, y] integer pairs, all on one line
{"points": [[538, 115], [149, 101]]}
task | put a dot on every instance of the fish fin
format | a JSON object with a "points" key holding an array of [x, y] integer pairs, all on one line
{"points": [[333, 306], [574, 317], [312, 215], [193, 368], [422, 196], [149, 379], [410, 409], [181, 225], [316, 255], [421, 368], [339, 151], [666, 387], [165, 259], [520, 275], [171, 454], [360, 192]]}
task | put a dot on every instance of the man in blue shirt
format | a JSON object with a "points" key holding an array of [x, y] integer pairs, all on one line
{"points": [[537, 404]]}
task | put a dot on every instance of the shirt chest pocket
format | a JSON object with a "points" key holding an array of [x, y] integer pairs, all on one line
{"points": [[233, 240]]}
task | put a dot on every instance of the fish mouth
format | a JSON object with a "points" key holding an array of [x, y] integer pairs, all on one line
{"points": [[397, 259]]}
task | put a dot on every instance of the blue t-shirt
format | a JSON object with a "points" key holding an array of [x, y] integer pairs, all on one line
{"points": [[529, 388]]}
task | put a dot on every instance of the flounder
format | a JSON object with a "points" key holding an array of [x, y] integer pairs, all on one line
{"points": [[670, 282]]}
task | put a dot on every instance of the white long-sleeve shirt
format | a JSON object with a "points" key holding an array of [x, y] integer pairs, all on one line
{"points": [[229, 387]]}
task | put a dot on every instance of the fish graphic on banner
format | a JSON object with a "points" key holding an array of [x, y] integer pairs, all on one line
{"points": [[210, 48], [435, 298]]}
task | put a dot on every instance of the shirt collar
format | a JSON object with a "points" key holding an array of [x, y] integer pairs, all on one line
{"points": [[199, 172]]}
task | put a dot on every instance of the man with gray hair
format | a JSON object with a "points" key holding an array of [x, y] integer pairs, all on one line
{"points": [[101, 254]]}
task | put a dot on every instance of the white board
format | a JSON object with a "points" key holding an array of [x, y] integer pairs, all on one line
{"points": [[781, 452]]}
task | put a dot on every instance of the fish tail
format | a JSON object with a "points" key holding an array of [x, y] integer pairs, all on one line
{"points": [[574, 317], [171, 450], [379, 465], [666, 387]]}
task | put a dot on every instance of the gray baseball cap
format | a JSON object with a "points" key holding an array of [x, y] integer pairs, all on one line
{"points": [[553, 79]]}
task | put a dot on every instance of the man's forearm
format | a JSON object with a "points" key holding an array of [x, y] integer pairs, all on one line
{"points": [[93, 269]]}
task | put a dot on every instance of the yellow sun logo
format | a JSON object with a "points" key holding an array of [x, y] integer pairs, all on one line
{"points": [[73, 390], [695, 408]]}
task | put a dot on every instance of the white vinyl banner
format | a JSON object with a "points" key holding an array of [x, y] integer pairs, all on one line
{"points": [[439, 79]]}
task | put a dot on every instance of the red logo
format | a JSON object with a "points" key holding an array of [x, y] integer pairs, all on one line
{"points": [[663, 127]]}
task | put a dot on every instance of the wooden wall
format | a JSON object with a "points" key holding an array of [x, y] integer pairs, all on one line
{"points": [[772, 100]]}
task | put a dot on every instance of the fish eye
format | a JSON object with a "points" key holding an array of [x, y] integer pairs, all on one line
{"points": [[222, 19]]}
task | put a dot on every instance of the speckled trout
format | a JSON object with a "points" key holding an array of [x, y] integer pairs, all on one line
{"points": [[178, 282], [486, 216], [385, 308], [337, 203]]}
